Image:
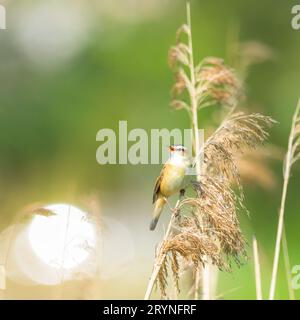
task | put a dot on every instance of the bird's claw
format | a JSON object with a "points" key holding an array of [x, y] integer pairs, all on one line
{"points": [[175, 211]]}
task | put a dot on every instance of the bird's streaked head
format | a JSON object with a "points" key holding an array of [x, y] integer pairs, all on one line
{"points": [[179, 155], [178, 150]]}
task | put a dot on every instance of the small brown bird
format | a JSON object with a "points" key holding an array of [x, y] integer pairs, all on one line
{"points": [[170, 180]]}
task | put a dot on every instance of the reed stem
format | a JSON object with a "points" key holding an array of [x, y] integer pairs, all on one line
{"points": [[160, 257], [287, 169], [257, 270]]}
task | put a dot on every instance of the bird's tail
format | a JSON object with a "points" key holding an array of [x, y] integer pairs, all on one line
{"points": [[159, 205]]}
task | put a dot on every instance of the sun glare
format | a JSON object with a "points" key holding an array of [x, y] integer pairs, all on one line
{"points": [[63, 240]]}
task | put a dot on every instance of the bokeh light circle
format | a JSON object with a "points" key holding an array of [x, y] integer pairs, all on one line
{"points": [[64, 239]]}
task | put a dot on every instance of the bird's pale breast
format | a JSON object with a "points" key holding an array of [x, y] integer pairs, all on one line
{"points": [[172, 180]]}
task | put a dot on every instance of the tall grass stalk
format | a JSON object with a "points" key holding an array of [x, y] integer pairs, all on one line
{"points": [[194, 109], [292, 155], [257, 269], [160, 256], [287, 265]]}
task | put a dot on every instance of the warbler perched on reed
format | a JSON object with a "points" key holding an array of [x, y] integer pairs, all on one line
{"points": [[170, 180]]}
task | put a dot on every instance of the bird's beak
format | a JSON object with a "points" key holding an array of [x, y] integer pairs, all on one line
{"points": [[171, 148]]}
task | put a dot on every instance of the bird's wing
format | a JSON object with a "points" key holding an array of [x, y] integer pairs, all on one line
{"points": [[157, 184]]}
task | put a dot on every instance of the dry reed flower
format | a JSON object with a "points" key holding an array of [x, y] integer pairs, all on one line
{"points": [[254, 167], [180, 83], [254, 164], [254, 170], [207, 228], [254, 52], [237, 134], [218, 205], [217, 83], [213, 82], [243, 55], [193, 248]]}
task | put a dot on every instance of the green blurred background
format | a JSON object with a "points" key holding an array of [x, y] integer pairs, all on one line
{"points": [[70, 68]]}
